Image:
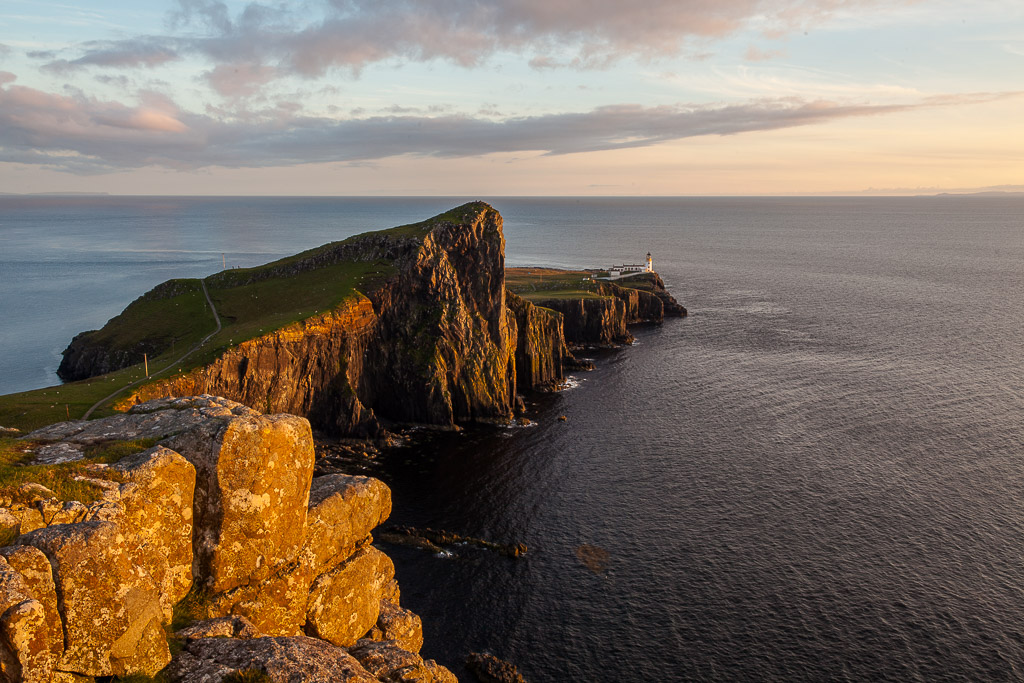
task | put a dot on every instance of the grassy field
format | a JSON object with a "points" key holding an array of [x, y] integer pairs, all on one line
{"points": [[538, 284]]}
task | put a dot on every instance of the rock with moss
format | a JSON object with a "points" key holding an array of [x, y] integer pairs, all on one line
{"points": [[113, 620], [252, 487], [344, 603], [399, 625], [35, 571], [387, 661], [25, 651]]}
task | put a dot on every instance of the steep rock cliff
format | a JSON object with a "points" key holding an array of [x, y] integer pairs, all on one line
{"points": [[541, 354], [432, 341]]}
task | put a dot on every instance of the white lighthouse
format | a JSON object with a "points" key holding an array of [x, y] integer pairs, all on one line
{"points": [[650, 263]]}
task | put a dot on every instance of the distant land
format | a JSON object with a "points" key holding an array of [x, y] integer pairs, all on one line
{"points": [[55, 194]]}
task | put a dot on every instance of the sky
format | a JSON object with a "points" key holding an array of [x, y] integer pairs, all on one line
{"points": [[513, 97]]}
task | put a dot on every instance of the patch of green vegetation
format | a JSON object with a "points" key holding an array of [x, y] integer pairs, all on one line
{"points": [[15, 455], [154, 323], [641, 281], [30, 410], [195, 606], [538, 284]]}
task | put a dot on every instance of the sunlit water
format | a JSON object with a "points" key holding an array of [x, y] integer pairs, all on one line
{"points": [[819, 475]]}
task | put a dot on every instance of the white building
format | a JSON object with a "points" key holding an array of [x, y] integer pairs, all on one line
{"points": [[615, 272]]}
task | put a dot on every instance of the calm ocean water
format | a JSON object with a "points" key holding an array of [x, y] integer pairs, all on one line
{"points": [[817, 476]]}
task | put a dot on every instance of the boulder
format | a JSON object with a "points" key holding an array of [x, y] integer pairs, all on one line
{"points": [[342, 511], [284, 660], [252, 490], [25, 653], [398, 624], [275, 605], [156, 497], [35, 570], [389, 662], [111, 607], [344, 603]]}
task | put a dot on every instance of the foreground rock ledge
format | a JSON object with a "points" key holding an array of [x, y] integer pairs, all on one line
{"points": [[222, 516]]}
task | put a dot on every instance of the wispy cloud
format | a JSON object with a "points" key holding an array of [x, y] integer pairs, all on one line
{"points": [[352, 34], [77, 133]]}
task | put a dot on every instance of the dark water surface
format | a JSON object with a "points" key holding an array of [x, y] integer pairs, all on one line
{"points": [[818, 476]]}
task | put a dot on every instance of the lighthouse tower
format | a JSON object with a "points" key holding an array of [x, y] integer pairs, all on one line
{"points": [[650, 263]]}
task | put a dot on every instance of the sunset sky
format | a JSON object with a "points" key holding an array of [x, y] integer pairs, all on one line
{"points": [[521, 97]]}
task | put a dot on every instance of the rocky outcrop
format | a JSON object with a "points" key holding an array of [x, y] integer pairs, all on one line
{"points": [[541, 353], [224, 516], [595, 320]]}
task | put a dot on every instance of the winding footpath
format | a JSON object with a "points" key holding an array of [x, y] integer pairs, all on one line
{"points": [[169, 365]]}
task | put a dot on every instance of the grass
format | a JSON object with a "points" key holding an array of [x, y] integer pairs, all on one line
{"points": [[15, 455], [539, 284], [155, 323], [195, 606]]}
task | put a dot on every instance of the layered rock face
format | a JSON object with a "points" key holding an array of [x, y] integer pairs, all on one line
{"points": [[602, 320], [224, 515], [541, 353]]}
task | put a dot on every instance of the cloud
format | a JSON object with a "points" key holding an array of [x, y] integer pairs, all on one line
{"points": [[137, 52], [352, 34], [77, 133]]}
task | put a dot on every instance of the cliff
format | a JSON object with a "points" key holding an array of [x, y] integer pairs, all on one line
{"points": [[600, 313], [217, 540], [419, 331], [411, 324]]}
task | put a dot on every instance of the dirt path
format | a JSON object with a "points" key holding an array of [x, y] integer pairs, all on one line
{"points": [[169, 365]]}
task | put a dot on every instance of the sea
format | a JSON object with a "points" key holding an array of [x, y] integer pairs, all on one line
{"points": [[816, 476]]}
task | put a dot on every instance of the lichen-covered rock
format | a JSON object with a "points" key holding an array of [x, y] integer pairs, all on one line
{"points": [[252, 490], [387, 661], [28, 518], [398, 624], [344, 603], [110, 607], [25, 653], [157, 501], [276, 605], [35, 570], [284, 660], [343, 510], [24, 644]]}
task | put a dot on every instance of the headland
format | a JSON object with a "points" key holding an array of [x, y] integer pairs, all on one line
{"points": [[209, 547]]}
